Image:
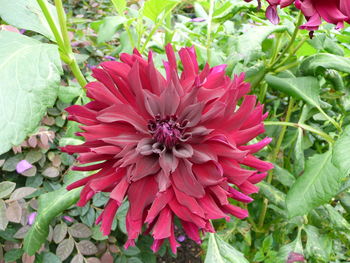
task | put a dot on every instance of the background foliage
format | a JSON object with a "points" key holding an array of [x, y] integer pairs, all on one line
{"points": [[303, 208]]}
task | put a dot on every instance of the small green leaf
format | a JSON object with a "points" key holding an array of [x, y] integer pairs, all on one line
{"points": [[120, 6], [13, 255], [6, 188], [154, 8], [304, 88], [109, 27], [316, 186], [341, 152], [319, 246], [50, 205], [221, 252], [274, 195], [318, 63]]}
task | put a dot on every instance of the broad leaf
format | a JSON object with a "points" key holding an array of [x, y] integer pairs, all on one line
{"points": [[154, 8], [316, 186], [221, 252], [27, 14], [304, 88], [30, 74], [50, 206], [341, 152], [319, 63]]}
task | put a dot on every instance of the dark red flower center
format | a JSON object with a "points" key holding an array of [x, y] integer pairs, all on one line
{"points": [[165, 131]]}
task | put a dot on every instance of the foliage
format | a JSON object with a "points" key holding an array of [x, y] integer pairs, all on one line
{"points": [[303, 206]]}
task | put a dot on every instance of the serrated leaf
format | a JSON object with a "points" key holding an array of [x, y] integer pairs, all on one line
{"points": [[30, 73], [341, 152], [65, 248], [86, 247], [154, 8], [3, 219], [59, 232], [316, 186], [318, 63], [304, 88], [80, 230], [27, 14], [22, 192], [221, 252], [6, 188], [50, 205]]}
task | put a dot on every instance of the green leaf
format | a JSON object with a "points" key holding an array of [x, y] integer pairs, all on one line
{"points": [[154, 8], [27, 14], [50, 206], [319, 246], [6, 188], [13, 255], [30, 74], [221, 252], [120, 6], [274, 195], [109, 27], [341, 152], [318, 63], [3, 218], [304, 88], [318, 184]]}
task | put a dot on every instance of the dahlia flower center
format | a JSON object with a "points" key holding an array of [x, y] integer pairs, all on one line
{"points": [[165, 131]]}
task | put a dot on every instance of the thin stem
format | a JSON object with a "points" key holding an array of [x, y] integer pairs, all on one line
{"points": [[273, 159], [63, 24], [209, 28], [77, 73], [305, 127], [330, 119], [51, 22]]}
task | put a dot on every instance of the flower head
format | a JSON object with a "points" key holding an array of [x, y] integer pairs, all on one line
{"points": [[174, 146]]}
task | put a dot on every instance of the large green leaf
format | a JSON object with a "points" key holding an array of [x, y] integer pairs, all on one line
{"points": [[50, 206], [154, 8], [304, 88], [318, 63], [221, 252], [319, 183], [27, 14], [30, 74], [341, 152]]}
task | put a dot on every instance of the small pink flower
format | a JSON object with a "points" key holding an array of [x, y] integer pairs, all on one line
{"points": [[23, 166], [68, 219], [31, 218], [295, 257]]}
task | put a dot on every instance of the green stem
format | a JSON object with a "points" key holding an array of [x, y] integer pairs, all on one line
{"points": [[77, 73], [63, 24], [52, 24], [305, 127], [209, 28], [273, 159], [330, 119]]}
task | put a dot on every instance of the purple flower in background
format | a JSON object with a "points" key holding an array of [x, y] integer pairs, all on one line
{"points": [[198, 19], [110, 58], [31, 218], [23, 166], [91, 66], [181, 238], [295, 257]]}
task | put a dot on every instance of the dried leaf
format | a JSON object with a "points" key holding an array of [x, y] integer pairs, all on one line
{"points": [[28, 259], [3, 218], [56, 161], [93, 260], [6, 188], [78, 258], [107, 258], [14, 212], [51, 172], [86, 247], [59, 232], [65, 248], [22, 192], [30, 172], [80, 230], [32, 141], [21, 232]]}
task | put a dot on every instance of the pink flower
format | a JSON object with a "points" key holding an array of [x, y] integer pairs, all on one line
{"points": [[23, 166], [329, 10], [174, 146], [295, 257]]}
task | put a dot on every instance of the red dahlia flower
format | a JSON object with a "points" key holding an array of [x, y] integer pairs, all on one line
{"points": [[172, 146]]}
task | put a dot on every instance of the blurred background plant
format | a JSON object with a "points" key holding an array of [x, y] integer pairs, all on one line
{"points": [[302, 210]]}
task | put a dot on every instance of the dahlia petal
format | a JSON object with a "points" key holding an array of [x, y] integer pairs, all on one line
{"points": [[237, 195], [186, 182], [257, 178], [157, 243], [234, 173], [191, 231], [172, 240], [208, 173], [162, 228], [108, 216], [211, 209], [244, 136], [183, 151], [192, 114], [169, 101], [242, 113], [133, 227], [144, 146], [220, 194], [106, 150], [256, 163], [145, 166], [159, 203], [86, 194], [189, 202], [171, 56], [96, 90], [119, 191], [185, 214], [168, 162], [248, 188], [271, 14], [253, 148], [236, 211]]}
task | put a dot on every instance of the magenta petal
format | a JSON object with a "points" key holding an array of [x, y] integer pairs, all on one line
{"points": [[271, 14]]}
